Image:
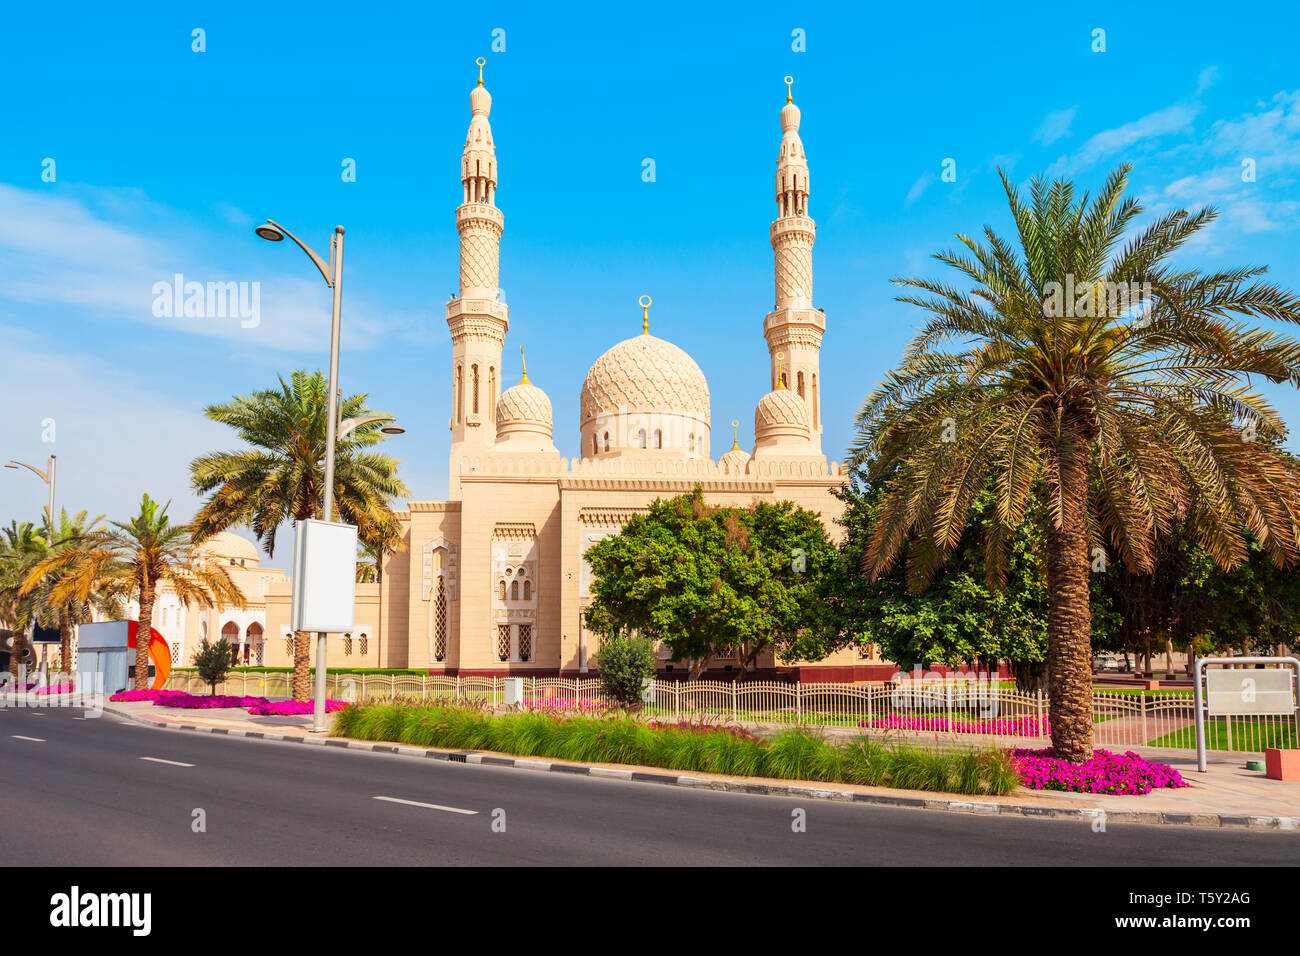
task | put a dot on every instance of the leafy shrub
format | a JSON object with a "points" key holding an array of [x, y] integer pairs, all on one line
{"points": [[213, 661], [626, 663]]}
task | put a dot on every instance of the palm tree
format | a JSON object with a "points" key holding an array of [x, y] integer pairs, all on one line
{"points": [[108, 598], [281, 476], [23, 546], [136, 558], [370, 569], [1137, 409]]}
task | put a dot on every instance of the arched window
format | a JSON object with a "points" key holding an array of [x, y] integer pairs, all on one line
{"points": [[347, 644], [458, 394], [474, 385], [641, 438], [799, 385], [606, 441], [690, 444], [492, 393], [595, 447], [440, 622], [528, 590], [501, 591], [514, 590], [364, 643], [659, 438]]}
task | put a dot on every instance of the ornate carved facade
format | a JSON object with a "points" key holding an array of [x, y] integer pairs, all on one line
{"points": [[493, 580]]}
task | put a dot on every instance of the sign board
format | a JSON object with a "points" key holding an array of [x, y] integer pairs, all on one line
{"points": [[324, 576], [1227, 692], [1255, 690]]}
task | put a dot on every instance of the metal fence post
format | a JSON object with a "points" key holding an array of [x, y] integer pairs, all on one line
{"points": [[798, 702], [733, 700]]}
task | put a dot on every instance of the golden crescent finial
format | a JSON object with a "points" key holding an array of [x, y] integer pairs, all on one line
{"points": [[524, 363], [780, 376], [789, 92], [735, 434], [480, 61], [645, 302]]}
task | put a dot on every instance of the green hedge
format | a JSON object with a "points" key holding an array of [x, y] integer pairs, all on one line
{"points": [[797, 754]]}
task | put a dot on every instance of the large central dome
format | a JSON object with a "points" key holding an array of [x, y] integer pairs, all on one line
{"points": [[650, 385]]}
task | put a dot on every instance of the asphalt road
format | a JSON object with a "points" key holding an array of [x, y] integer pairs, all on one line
{"points": [[110, 792]]}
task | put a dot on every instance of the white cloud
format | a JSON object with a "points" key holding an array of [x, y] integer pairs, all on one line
{"points": [[1111, 143], [918, 188], [102, 253], [114, 437], [1056, 125]]}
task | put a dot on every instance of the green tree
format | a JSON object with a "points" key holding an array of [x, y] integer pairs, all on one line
{"points": [[213, 661], [107, 598], [626, 662], [958, 619], [1102, 375], [709, 581], [134, 558], [23, 547], [279, 475]]}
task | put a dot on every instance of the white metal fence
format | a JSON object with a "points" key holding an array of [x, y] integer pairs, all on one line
{"points": [[949, 710]]}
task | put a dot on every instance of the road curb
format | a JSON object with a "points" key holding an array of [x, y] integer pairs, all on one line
{"points": [[1091, 815]]}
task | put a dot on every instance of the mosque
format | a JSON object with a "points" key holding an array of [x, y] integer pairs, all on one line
{"points": [[492, 580]]}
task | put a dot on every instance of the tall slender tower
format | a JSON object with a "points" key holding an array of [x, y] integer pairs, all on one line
{"points": [[793, 328], [476, 318]]}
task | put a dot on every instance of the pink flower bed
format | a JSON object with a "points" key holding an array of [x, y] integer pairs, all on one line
{"points": [[290, 708], [56, 689], [1007, 726], [126, 696], [1125, 773], [187, 701], [561, 703]]}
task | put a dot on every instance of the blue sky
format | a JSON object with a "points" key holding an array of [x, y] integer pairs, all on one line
{"points": [[165, 158]]}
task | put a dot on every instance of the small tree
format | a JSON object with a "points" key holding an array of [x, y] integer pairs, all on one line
{"points": [[214, 661], [626, 662]]}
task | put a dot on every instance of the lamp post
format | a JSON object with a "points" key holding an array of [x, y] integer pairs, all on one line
{"points": [[335, 428], [46, 476], [333, 275]]}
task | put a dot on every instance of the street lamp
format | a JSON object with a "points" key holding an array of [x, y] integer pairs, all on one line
{"points": [[46, 476], [272, 231]]}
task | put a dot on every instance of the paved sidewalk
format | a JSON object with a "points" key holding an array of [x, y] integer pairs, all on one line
{"points": [[1227, 795]]}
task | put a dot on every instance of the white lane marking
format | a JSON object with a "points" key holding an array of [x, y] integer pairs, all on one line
{"points": [[173, 763], [427, 806], [35, 740]]}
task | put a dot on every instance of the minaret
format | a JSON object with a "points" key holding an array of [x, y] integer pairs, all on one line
{"points": [[794, 327], [476, 318]]}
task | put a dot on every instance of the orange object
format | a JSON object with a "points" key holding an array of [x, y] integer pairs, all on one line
{"points": [[1282, 764], [1153, 685], [159, 653]]}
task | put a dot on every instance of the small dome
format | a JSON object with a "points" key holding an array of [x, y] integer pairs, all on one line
{"points": [[780, 414], [524, 407], [480, 101], [645, 374], [789, 118], [227, 545], [734, 461]]}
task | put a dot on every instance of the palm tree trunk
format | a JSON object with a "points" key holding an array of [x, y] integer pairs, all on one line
{"points": [[1069, 618], [19, 645], [142, 635], [302, 665], [65, 644]]}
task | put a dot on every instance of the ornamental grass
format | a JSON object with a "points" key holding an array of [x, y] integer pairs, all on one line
{"points": [[795, 754]]}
